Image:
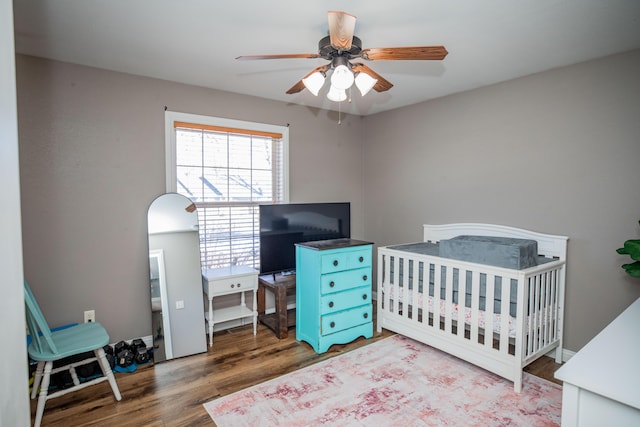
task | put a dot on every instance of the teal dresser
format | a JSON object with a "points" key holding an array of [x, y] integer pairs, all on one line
{"points": [[333, 292]]}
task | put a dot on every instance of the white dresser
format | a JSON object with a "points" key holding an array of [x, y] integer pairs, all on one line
{"points": [[237, 279], [602, 381]]}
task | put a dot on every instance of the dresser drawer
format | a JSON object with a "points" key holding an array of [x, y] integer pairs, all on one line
{"points": [[337, 282], [345, 319], [343, 300], [346, 260], [231, 285]]}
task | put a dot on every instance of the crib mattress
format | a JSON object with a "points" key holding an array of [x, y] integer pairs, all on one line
{"points": [[433, 249]]}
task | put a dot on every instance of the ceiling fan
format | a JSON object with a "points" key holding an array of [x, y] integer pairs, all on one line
{"points": [[340, 47]]}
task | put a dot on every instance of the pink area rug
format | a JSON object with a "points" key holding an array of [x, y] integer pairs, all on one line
{"points": [[392, 382]]}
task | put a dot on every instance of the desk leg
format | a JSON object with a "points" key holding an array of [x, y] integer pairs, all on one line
{"points": [[261, 299], [210, 321], [255, 311], [282, 327]]}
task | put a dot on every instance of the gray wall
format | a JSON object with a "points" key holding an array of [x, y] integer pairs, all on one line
{"points": [[92, 160], [557, 152]]}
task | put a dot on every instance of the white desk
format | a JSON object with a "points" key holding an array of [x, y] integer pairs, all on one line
{"points": [[225, 281], [602, 381]]}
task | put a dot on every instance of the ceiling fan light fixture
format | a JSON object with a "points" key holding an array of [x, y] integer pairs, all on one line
{"points": [[336, 95], [314, 82], [364, 82], [342, 77]]}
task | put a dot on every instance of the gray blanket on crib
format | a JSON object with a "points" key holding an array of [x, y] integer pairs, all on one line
{"points": [[501, 252]]}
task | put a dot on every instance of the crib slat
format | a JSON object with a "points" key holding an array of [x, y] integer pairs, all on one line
{"points": [[539, 305], [475, 306], [437, 296], [423, 300], [505, 314], [536, 315], [387, 288], [404, 287], [401, 287], [547, 309], [380, 291], [448, 292], [542, 318], [488, 310], [531, 314], [414, 291], [462, 290], [395, 307], [553, 305]]}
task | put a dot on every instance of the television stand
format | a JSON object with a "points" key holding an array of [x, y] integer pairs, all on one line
{"points": [[280, 285]]}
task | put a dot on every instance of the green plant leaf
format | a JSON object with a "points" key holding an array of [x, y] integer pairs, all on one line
{"points": [[631, 248], [632, 269]]}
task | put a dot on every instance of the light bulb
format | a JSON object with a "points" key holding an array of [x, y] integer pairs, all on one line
{"points": [[314, 82], [336, 95], [365, 82], [342, 77]]}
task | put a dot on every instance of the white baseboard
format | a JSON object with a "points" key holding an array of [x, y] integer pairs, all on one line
{"points": [[566, 354]]}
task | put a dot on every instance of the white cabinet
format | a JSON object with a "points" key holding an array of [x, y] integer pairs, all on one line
{"points": [[601, 380], [237, 279]]}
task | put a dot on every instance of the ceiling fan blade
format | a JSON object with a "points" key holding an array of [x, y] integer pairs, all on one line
{"points": [[408, 53], [381, 85], [342, 25], [299, 86], [283, 56]]}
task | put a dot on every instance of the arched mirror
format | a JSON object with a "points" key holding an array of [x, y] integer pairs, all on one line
{"points": [[177, 304]]}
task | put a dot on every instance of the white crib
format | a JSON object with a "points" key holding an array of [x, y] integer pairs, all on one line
{"points": [[523, 326]]}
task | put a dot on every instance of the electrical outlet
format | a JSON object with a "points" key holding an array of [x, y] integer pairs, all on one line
{"points": [[89, 316]]}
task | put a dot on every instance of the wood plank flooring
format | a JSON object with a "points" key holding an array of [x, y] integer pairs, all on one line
{"points": [[172, 393]]}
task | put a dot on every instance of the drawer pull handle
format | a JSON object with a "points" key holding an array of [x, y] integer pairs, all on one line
{"points": [[331, 304], [239, 284], [332, 284], [361, 259], [335, 263], [332, 324], [366, 315], [364, 297], [364, 277], [232, 286]]}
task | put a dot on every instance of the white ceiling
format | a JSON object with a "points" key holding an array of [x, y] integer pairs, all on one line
{"points": [[197, 41]]}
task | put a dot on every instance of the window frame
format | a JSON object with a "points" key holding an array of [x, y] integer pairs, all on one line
{"points": [[170, 143], [171, 117]]}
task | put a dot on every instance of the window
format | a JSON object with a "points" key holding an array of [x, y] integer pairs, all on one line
{"points": [[227, 168]]}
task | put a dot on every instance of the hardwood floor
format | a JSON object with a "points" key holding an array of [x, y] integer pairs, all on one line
{"points": [[172, 393]]}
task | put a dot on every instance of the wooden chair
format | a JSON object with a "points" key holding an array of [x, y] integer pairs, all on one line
{"points": [[48, 347]]}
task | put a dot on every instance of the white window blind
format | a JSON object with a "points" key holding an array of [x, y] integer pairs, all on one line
{"points": [[228, 172]]}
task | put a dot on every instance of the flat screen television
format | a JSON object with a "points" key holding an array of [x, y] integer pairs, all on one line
{"points": [[284, 225]]}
